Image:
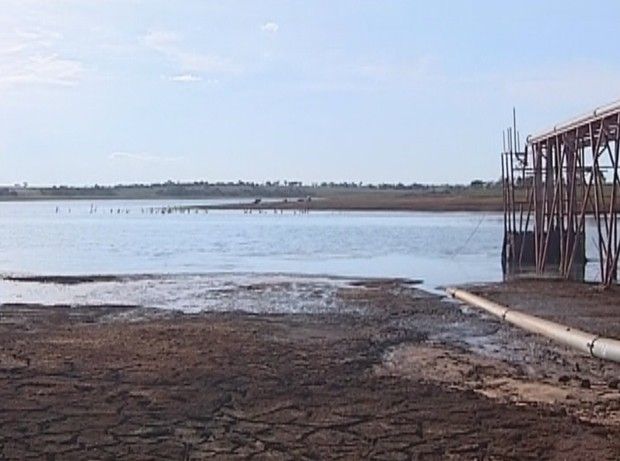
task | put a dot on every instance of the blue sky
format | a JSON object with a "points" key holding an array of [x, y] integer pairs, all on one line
{"points": [[111, 91]]}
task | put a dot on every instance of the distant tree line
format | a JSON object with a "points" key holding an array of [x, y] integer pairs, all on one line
{"points": [[199, 189]]}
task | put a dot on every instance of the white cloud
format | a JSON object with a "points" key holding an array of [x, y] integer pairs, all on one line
{"points": [[30, 57], [186, 78], [192, 78], [170, 45], [142, 157], [270, 27], [45, 69]]}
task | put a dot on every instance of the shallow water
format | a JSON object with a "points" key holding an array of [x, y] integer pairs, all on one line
{"points": [[256, 293], [83, 237]]}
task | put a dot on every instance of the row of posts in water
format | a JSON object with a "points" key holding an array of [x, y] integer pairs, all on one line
{"points": [[177, 210]]}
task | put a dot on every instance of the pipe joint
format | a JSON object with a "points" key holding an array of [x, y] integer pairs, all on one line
{"points": [[591, 345], [588, 343]]}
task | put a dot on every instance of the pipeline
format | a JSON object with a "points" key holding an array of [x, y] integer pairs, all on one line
{"points": [[597, 113], [594, 345]]}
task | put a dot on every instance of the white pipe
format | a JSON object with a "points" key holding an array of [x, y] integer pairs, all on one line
{"points": [[597, 113], [597, 346]]}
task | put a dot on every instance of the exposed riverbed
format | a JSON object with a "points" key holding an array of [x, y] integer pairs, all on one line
{"points": [[394, 373]]}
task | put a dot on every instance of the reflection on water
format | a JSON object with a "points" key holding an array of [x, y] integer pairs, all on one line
{"points": [[79, 237]]}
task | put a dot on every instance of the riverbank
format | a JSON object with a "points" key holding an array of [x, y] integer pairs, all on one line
{"points": [[419, 198], [399, 373], [486, 202]]}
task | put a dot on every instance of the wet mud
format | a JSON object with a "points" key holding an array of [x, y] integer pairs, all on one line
{"points": [[62, 279], [406, 376], [581, 305]]}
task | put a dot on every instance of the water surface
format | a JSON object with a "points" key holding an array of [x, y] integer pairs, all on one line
{"points": [[125, 237]]}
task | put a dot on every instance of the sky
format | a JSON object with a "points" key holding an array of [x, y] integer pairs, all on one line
{"points": [[134, 91]]}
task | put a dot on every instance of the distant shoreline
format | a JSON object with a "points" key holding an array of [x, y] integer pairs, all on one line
{"points": [[478, 196], [356, 201], [369, 204]]}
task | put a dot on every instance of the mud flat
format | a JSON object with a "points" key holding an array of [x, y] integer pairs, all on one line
{"points": [[579, 305], [378, 202], [402, 374]]}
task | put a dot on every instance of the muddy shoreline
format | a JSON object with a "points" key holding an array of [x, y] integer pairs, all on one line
{"points": [[370, 202], [409, 375], [436, 198]]}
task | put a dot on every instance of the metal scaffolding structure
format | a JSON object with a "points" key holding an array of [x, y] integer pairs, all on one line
{"points": [[561, 177]]}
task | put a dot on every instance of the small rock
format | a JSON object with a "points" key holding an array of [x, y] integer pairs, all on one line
{"points": [[564, 379], [614, 383], [585, 383]]}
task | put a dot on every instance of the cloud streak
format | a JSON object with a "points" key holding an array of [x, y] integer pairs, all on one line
{"points": [[186, 78]]}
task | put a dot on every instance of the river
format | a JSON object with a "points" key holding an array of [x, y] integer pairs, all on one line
{"points": [[135, 238]]}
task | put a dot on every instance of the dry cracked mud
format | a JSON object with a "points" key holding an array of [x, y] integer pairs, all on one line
{"points": [[409, 377]]}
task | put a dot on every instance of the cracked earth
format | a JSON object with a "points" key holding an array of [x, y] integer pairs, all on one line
{"points": [[408, 376]]}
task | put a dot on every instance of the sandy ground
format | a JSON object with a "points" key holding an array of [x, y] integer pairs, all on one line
{"points": [[410, 375]]}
